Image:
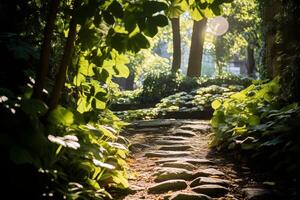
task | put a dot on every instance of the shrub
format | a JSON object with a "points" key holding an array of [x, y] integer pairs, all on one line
{"points": [[256, 121]]}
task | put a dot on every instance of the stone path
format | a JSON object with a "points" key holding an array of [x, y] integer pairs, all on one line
{"points": [[170, 161]]}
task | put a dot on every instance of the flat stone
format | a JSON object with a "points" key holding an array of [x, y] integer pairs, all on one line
{"points": [[207, 180], [147, 130], [170, 142], [209, 172], [184, 133], [138, 146], [179, 164], [166, 186], [175, 147], [167, 153], [169, 173], [134, 188], [194, 161], [259, 194], [197, 161], [211, 190], [203, 128], [155, 123], [189, 196], [171, 137]]}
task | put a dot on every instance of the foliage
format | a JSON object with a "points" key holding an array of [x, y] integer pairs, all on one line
{"points": [[254, 120], [195, 101], [244, 31], [161, 84], [78, 159], [71, 152]]}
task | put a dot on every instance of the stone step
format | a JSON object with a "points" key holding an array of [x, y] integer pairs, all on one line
{"points": [[179, 164], [209, 172], [195, 161], [207, 180], [171, 137], [170, 185], [184, 133], [171, 142], [169, 173], [211, 190], [187, 196], [175, 147], [167, 153]]}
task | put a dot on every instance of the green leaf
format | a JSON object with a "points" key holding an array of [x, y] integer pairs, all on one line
{"points": [[93, 183], [106, 132], [119, 41], [108, 18], [130, 22], [216, 104], [61, 115], [105, 76], [176, 8], [116, 9], [152, 7], [160, 20], [254, 120], [102, 164], [119, 179], [137, 42]]}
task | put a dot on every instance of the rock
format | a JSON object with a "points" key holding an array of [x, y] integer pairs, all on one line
{"points": [[197, 161], [164, 160], [194, 161], [134, 189], [175, 147], [155, 123], [184, 133], [167, 186], [202, 128], [179, 164], [170, 142], [207, 180], [189, 196], [147, 130], [138, 146], [167, 153], [168, 173], [211, 190], [260, 194], [209, 172], [170, 137]]}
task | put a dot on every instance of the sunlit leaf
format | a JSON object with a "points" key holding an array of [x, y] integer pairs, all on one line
{"points": [[61, 115], [102, 164]]}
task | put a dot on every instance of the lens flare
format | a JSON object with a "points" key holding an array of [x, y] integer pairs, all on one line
{"points": [[217, 26]]}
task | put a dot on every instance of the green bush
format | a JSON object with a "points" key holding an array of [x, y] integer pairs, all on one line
{"points": [[256, 121], [61, 155], [196, 100]]}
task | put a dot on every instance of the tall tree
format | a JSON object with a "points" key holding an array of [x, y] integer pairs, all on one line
{"points": [[66, 59], [176, 44], [196, 50], [271, 9], [250, 61], [45, 50]]}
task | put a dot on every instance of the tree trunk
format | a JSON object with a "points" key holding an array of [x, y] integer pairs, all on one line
{"points": [[45, 51], [250, 62], [270, 10], [196, 50], [65, 61], [176, 44], [218, 52]]}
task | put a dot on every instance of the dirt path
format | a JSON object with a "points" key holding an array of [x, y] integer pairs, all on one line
{"points": [[170, 159]]}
